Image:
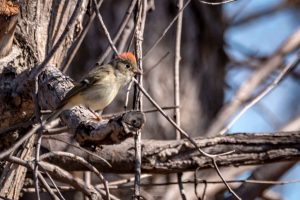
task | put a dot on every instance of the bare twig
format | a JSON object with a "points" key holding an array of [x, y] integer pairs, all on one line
{"points": [[53, 183], [37, 113], [223, 180], [16, 145], [83, 162], [111, 43], [56, 131], [288, 68], [121, 28], [78, 147], [138, 104], [75, 46], [177, 87], [216, 3], [87, 180], [127, 95], [65, 177], [30, 166], [162, 35], [156, 64], [108, 116]]}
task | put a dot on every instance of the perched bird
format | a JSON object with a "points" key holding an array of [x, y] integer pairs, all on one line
{"points": [[100, 86]]}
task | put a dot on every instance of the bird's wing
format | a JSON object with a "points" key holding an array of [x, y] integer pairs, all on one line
{"points": [[92, 77]]}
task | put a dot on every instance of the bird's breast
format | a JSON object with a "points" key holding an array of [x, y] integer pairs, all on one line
{"points": [[99, 96]]}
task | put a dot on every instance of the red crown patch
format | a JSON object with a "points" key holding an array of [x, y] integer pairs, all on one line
{"points": [[128, 56]]}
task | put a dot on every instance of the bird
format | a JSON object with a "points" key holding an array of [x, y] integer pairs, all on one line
{"points": [[100, 86]]}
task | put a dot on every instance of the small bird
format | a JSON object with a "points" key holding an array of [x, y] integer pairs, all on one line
{"points": [[100, 86]]}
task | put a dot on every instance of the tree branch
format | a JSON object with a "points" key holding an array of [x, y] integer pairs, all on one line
{"points": [[178, 156]]}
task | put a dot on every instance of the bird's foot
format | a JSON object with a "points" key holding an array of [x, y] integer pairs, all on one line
{"points": [[96, 117]]}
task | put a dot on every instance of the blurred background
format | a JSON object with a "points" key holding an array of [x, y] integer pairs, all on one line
{"points": [[222, 48]]}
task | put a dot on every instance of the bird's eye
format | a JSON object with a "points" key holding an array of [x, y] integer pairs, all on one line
{"points": [[127, 66]]}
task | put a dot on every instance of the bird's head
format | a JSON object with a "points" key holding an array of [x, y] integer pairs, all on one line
{"points": [[126, 64]]}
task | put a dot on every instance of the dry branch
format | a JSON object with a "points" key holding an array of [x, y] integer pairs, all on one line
{"points": [[179, 156]]}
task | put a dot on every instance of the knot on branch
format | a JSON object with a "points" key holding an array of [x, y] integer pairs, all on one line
{"points": [[133, 121], [113, 131]]}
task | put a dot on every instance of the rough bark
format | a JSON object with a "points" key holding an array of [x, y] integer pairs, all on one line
{"points": [[179, 156]]}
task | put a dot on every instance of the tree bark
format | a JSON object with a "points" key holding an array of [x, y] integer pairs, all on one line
{"points": [[179, 156]]}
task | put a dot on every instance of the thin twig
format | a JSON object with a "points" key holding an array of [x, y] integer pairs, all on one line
{"points": [[87, 180], [65, 177], [84, 163], [180, 185], [78, 147], [127, 95], [120, 30], [16, 126], [111, 43], [138, 103], [124, 38], [56, 131], [204, 191], [128, 180], [156, 64], [41, 178], [177, 87], [288, 68], [108, 116], [223, 179], [75, 46], [37, 114], [196, 182], [16, 145], [216, 3], [162, 35], [53, 183]]}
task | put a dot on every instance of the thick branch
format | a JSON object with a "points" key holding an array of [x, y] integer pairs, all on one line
{"points": [[177, 156]]}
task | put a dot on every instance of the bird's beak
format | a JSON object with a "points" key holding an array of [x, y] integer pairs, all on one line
{"points": [[138, 72]]}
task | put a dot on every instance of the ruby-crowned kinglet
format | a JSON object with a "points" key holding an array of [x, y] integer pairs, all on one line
{"points": [[100, 86]]}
